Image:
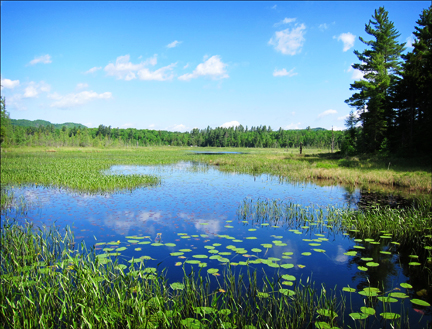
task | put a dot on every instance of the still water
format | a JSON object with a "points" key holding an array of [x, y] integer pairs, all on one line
{"points": [[192, 219]]}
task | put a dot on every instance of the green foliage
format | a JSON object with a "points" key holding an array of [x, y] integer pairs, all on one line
{"points": [[412, 95], [39, 123], [4, 121], [103, 136], [380, 65]]}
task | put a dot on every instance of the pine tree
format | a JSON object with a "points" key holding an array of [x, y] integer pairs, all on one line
{"points": [[413, 93], [380, 66]]}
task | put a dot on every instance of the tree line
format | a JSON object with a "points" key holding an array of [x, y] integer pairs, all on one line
{"points": [[392, 105], [106, 136]]}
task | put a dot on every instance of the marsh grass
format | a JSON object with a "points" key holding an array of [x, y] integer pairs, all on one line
{"points": [[80, 168], [404, 224], [44, 283]]}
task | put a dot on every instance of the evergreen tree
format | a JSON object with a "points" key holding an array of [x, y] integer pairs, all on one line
{"points": [[413, 93], [380, 65]]}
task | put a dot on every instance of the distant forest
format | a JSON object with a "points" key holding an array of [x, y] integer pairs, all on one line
{"points": [[49, 135], [38, 123]]}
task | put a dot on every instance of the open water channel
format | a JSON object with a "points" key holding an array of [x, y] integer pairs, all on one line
{"points": [[193, 219]]}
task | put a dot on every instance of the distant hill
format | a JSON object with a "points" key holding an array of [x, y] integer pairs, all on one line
{"points": [[38, 123]]}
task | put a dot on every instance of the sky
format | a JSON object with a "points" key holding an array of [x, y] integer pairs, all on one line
{"points": [[182, 65]]}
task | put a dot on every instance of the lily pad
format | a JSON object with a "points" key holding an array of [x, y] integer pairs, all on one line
{"points": [[420, 302], [358, 316], [192, 261], [177, 286], [390, 316]]}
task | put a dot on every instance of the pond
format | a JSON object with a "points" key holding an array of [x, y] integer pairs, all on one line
{"points": [[202, 218]]}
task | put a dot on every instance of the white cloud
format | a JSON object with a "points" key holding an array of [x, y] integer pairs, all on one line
{"points": [[73, 100], [347, 39], [93, 70], [293, 113], [186, 66], [285, 21], [162, 74], [284, 72], [230, 124], [180, 127], [293, 126], [45, 59], [323, 26], [289, 41], [356, 74], [338, 128], [152, 125], [212, 67], [128, 125], [174, 44], [34, 89], [325, 113], [10, 84], [274, 7], [126, 70], [410, 40], [343, 118], [81, 85]]}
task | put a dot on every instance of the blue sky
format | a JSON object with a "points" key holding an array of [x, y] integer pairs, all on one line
{"points": [[180, 65]]}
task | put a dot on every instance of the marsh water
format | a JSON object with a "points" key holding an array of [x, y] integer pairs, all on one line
{"points": [[193, 220]]}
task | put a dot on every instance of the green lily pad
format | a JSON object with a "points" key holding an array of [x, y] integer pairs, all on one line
{"points": [[177, 286], [306, 253], [387, 299], [176, 254], [319, 250], [157, 244], [288, 277], [372, 264], [328, 313], [367, 310], [390, 316], [348, 289], [414, 264], [212, 270], [170, 244], [121, 249], [420, 302], [287, 292], [358, 316], [287, 266], [406, 285], [350, 253], [200, 256], [256, 250], [192, 261], [398, 295], [267, 245]]}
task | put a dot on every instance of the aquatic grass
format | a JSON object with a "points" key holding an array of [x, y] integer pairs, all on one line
{"points": [[44, 282]]}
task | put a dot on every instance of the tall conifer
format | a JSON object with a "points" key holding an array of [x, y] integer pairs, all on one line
{"points": [[380, 65]]}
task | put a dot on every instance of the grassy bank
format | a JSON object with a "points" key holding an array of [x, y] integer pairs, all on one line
{"points": [[80, 168]]}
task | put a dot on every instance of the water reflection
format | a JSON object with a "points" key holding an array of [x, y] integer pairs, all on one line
{"points": [[196, 206]]}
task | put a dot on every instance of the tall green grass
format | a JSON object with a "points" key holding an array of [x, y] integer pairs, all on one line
{"points": [[44, 283]]}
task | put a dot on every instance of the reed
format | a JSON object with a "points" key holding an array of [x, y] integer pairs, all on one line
{"points": [[45, 283]]}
